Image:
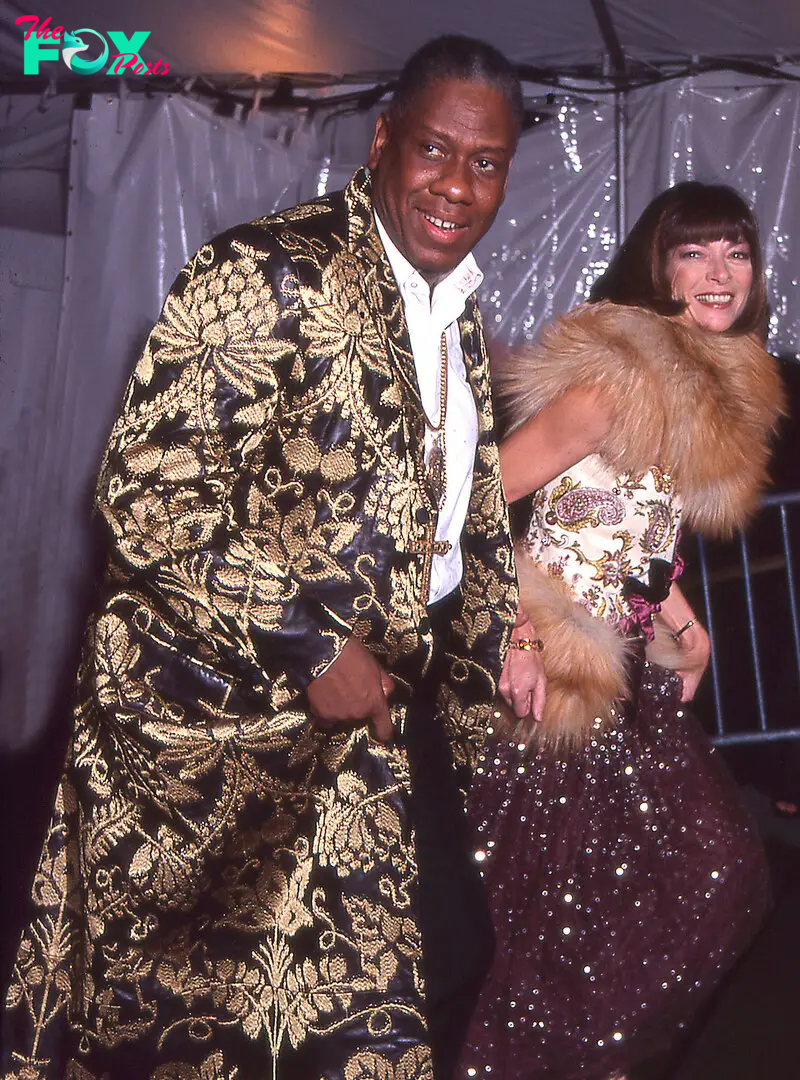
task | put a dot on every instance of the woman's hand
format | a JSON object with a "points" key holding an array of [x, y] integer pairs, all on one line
{"points": [[690, 637], [695, 649], [523, 682]]}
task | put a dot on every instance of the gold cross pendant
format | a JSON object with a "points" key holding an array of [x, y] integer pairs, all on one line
{"points": [[428, 548]]}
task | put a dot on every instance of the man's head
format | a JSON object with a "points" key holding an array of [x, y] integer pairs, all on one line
{"points": [[441, 152]]}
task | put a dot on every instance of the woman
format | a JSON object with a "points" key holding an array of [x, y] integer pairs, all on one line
{"points": [[622, 872]]}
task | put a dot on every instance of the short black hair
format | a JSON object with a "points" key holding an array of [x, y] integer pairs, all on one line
{"points": [[688, 213], [454, 56]]}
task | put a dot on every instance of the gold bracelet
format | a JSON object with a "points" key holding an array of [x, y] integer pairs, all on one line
{"points": [[683, 629], [527, 644]]}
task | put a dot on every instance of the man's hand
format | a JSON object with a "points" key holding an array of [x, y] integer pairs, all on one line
{"points": [[523, 683], [353, 691]]}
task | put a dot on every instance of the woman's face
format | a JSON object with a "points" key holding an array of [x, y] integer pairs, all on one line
{"points": [[714, 279]]}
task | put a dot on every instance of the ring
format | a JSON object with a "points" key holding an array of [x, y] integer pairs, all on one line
{"points": [[527, 644], [683, 629]]}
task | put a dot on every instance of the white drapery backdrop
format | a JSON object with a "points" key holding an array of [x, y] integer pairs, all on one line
{"points": [[151, 178]]}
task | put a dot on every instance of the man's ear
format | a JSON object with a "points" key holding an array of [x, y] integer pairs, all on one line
{"points": [[379, 140]]}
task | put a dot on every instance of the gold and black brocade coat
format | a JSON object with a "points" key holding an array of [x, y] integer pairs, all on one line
{"points": [[224, 892]]}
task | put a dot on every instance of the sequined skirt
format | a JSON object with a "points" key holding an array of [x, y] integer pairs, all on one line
{"points": [[624, 879]]}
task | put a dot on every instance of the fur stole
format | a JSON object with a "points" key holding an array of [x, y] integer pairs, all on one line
{"points": [[585, 659], [703, 404]]}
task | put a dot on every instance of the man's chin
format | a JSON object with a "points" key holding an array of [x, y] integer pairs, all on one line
{"points": [[434, 269]]}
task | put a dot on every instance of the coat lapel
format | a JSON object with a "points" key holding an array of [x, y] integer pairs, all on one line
{"points": [[383, 295], [386, 309], [476, 363]]}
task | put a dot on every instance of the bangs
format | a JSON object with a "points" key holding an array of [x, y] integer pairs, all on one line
{"points": [[703, 229], [703, 214]]}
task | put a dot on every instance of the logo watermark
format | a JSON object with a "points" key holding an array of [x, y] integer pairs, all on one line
{"points": [[79, 49]]}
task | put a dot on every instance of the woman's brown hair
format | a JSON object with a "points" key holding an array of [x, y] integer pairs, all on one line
{"points": [[688, 213]]}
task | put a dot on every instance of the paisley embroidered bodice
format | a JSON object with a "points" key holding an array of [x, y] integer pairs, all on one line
{"points": [[597, 531]]}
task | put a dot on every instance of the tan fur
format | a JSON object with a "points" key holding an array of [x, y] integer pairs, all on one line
{"points": [[584, 660], [701, 403]]}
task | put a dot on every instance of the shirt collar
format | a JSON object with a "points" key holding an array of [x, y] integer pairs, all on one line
{"points": [[461, 281]]}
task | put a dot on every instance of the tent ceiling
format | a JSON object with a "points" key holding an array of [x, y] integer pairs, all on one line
{"points": [[368, 40]]}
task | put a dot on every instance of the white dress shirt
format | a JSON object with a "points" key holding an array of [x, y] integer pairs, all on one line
{"points": [[428, 315]]}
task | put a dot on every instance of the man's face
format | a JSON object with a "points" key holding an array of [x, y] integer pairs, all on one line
{"points": [[440, 172]]}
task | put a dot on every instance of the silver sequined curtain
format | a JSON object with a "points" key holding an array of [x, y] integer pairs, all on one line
{"points": [[557, 228], [723, 128]]}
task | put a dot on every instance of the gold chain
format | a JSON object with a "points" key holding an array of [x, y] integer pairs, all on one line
{"points": [[436, 461], [442, 389]]}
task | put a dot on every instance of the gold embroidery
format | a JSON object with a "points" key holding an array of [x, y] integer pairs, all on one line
{"points": [[213, 1068], [595, 529], [367, 1065], [214, 862]]}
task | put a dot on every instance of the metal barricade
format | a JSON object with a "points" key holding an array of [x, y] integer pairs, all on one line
{"points": [[771, 627]]}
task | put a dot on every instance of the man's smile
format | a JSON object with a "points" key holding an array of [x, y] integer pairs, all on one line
{"points": [[441, 223]]}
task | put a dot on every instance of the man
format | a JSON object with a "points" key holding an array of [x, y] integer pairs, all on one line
{"points": [[310, 576]]}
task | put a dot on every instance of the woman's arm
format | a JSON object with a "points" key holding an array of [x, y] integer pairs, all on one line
{"points": [[693, 642], [564, 432]]}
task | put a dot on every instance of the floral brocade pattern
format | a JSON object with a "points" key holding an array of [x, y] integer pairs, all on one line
{"points": [[224, 893], [595, 530]]}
